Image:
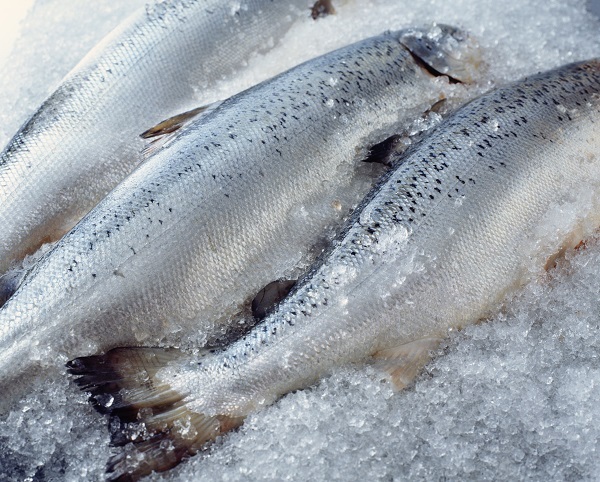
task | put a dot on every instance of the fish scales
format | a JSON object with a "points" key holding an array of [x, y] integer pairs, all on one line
{"points": [[454, 220], [459, 223], [84, 138], [438, 244], [231, 203]]}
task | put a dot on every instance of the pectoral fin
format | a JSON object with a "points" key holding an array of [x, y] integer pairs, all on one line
{"points": [[389, 150], [383, 152], [9, 282], [269, 296], [403, 363]]}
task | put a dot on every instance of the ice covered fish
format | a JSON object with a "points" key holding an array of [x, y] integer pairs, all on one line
{"points": [[84, 139], [229, 205], [468, 215]]}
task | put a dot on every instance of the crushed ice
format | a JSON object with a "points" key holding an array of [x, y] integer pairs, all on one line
{"points": [[515, 397]]}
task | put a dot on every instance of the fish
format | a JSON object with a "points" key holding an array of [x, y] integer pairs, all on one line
{"points": [[465, 218], [84, 138], [234, 201]]}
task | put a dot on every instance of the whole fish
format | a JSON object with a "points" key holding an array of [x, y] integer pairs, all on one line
{"points": [[84, 138], [230, 204], [438, 244]]}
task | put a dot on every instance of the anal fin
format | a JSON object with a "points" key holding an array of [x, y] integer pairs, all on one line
{"points": [[403, 363]]}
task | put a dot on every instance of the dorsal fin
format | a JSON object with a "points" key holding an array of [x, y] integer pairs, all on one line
{"points": [[165, 130], [267, 298]]}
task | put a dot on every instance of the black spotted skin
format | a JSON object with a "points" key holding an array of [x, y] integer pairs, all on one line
{"points": [[231, 203], [465, 218]]}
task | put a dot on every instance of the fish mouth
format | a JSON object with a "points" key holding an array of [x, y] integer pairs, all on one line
{"points": [[444, 50]]}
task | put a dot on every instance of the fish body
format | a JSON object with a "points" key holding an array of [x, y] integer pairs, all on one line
{"points": [[84, 138], [467, 216], [233, 202]]}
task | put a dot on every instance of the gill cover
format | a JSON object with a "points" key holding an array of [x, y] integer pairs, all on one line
{"points": [[445, 50]]}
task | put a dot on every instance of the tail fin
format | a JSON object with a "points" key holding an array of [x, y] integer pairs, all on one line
{"points": [[154, 423]]}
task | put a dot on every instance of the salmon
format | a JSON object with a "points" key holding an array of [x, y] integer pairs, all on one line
{"points": [[230, 203], [438, 244], [84, 139]]}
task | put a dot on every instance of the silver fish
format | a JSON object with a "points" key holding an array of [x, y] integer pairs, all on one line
{"points": [[233, 202], [438, 244], [84, 138]]}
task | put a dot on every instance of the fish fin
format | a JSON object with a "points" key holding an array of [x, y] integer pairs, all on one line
{"points": [[176, 122], [170, 437], [382, 152], [403, 363], [388, 150], [439, 107], [9, 283], [122, 380], [322, 8], [162, 430], [166, 130], [267, 298]]}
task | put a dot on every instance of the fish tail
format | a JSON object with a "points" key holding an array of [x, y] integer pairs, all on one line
{"points": [[149, 419]]}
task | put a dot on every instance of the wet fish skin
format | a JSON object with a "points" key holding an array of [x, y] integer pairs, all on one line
{"points": [[500, 165], [437, 245], [84, 139], [230, 204]]}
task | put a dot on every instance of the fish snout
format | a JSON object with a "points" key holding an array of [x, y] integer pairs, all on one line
{"points": [[445, 50]]}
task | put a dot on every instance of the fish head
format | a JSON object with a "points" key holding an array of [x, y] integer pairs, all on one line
{"points": [[445, 50]]}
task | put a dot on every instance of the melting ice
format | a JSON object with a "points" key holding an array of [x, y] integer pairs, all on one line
{"points": [[514, 397]]}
